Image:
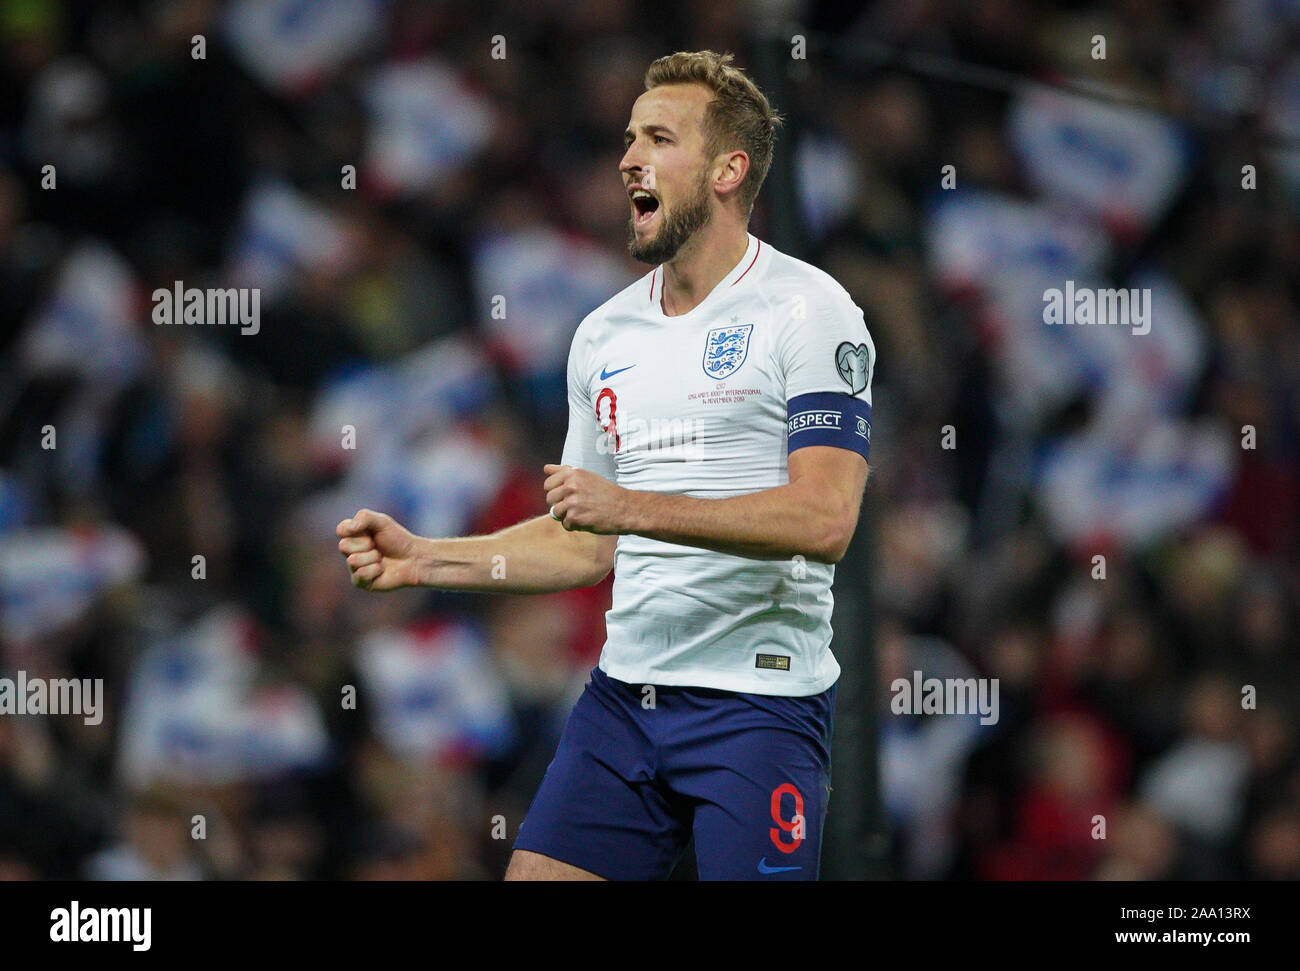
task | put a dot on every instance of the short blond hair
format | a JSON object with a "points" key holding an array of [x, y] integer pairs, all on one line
{"points": [[737, 117]]}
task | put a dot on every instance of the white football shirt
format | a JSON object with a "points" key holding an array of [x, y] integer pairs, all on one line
{"points": [[708, 404]]}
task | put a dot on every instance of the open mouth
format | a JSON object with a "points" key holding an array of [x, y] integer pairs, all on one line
{"points": [[644, 207]]}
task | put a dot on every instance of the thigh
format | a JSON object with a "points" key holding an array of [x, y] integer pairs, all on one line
{"points": [[599, 807], [760, 811], [527, 865]]}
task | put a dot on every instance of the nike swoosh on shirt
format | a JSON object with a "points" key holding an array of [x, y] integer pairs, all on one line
{"points": [[764, 868], [606, 375]]}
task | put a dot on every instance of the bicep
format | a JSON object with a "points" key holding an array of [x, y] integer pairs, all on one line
{"points": [[827, 368], [830, 473], [592, 553], [597, 547], [607, 545]]}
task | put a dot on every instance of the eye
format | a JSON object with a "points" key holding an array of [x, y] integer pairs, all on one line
{"points": [[659, 138]]}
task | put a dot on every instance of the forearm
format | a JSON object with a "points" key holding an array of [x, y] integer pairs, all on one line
{"points": [[535, 556], [773, 524]]}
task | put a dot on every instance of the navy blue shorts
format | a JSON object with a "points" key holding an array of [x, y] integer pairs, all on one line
{"points": [[748, 775]]}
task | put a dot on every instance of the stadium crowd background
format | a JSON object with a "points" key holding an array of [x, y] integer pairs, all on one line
{"points": [[482, 178]]}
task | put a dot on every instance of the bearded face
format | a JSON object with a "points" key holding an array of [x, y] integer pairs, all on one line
{"points": [[657, 230]]}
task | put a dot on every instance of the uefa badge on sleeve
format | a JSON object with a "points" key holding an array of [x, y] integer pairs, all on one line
{"points": [[853, 363]]}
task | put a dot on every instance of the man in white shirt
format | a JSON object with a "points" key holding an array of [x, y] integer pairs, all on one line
{"points": [[716, 457]]}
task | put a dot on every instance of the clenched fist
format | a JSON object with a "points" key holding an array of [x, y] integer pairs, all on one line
{"points": [[380, 552], [583, 500]]}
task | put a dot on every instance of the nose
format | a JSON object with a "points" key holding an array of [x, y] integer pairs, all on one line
{"points": [[631, 164]]}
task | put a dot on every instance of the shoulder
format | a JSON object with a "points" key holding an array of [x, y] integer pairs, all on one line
{"points": [[799, 289], [630, 301], [592, 329], [808, 306]]}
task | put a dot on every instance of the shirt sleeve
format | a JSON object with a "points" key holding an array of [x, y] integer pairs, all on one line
{"points": [[586, 445], [827, 358]]}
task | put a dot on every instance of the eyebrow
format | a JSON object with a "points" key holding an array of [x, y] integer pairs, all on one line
{"points": [[629, 135]]}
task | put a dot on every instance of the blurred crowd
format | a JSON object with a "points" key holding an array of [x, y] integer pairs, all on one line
{"points": [[427, 197]]}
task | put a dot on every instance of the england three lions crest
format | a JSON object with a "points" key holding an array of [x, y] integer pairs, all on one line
{"points": [[725, 350]]}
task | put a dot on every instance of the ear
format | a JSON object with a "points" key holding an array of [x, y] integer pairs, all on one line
{"points": [[729, 172]]}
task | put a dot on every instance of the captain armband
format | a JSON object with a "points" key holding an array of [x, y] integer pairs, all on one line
{"points": [[829, 418]]}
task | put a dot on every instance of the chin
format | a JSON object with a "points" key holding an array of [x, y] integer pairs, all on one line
{"points": [[645, 247]]}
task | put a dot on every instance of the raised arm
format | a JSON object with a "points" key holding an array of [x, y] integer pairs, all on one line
{"points": [[535, 556], [814, 515]]}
